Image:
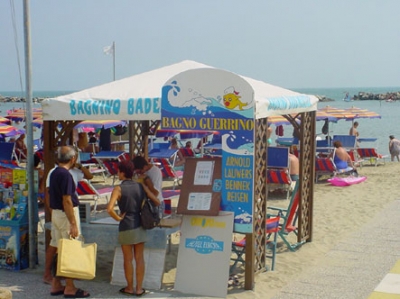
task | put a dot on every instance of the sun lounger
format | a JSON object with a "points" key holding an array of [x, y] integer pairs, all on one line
{"points": [[86, 191], [108, 160], [371, 155], [325, 166]]}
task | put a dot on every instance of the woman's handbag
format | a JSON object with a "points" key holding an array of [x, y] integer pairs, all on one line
{"points": [[149, 215], [76, 259]]}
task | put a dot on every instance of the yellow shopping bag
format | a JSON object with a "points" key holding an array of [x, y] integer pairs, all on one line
{"points": [[76, 259]]}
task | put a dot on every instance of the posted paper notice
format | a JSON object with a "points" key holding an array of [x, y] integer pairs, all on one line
{"points": [[199, 201], [204, 173]]}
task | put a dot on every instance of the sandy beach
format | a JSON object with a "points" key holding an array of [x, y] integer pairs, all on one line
{"points": [[338, 211]]}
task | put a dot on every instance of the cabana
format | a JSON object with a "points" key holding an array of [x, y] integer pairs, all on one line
{"points": [[137, 99]]}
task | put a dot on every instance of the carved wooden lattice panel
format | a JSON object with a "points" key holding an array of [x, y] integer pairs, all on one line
{"points": [[260, 193], [139, 132], [307, 162]]}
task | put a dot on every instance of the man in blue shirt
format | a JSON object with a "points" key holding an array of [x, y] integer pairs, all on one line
{"points": [[65, 220]]}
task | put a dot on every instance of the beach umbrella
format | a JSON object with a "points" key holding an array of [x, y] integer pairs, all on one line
{"points": [[7, 129], [4, 120], [14, 133], [20, 114], [98, 124], [183, 134], [336, 112], [277, 120], [361, 113], [322, 115], [195, 134], [166, 133], [38, 122]]}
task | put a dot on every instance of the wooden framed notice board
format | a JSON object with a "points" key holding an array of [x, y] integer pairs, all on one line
{"points": [[201, 187]]}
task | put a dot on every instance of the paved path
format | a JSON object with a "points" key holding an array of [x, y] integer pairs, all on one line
{"points": [[355, 267]]}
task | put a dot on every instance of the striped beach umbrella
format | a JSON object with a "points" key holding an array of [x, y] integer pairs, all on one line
{"points": [[4, 120], [20, 114], [7, 129], [98, 124], [38, 122], [361, 113]]}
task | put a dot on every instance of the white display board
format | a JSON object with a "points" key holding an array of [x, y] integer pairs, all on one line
{"points": [[204, 255]]}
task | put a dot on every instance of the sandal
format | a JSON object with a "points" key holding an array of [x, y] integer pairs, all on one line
{"points": [[141, 294], [78, 294]]}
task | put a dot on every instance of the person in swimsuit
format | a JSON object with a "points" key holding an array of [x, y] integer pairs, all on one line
{"points": [[340, 156], [394, 148]]}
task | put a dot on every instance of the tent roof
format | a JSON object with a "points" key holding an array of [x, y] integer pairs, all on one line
{"points": [[148, 85]]}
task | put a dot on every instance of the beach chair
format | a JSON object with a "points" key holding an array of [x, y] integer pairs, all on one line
{"points": [[92, 164], [371, 155], [355, 158], [348, 141], [326, 166], [109, 160], [289, 217], [86, 191], [165, 160], [168, 170], [239, 247], [187, 152], [7, 152], [278, 173], [280, 177]]}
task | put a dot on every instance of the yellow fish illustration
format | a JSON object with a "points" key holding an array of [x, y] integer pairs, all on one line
{"points": [[232, 99]]}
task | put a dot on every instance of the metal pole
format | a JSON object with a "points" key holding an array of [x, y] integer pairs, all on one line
{"points": [[114, 61], [32, 200]]}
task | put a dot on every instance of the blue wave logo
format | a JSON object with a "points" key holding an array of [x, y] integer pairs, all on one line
{"points": [[204, 244]]}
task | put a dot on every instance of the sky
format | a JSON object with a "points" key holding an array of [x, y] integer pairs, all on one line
{"points": [[292, 43]]}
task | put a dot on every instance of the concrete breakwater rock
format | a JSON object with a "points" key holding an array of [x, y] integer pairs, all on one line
{"points": [[324, 98], [5, 99], [369, 96]]}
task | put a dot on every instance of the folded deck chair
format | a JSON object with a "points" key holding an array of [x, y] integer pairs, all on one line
{"points": [[289, 217], [239, 247], [371, 155], [86, 191]]}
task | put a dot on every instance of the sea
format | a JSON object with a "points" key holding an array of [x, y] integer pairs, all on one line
{"points": [[379, 128]]}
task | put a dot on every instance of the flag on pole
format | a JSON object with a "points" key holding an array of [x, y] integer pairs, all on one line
{"points": [[109, 50]]}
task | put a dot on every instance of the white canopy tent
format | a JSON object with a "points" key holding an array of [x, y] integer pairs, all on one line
{"points": [[138, 98]]}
